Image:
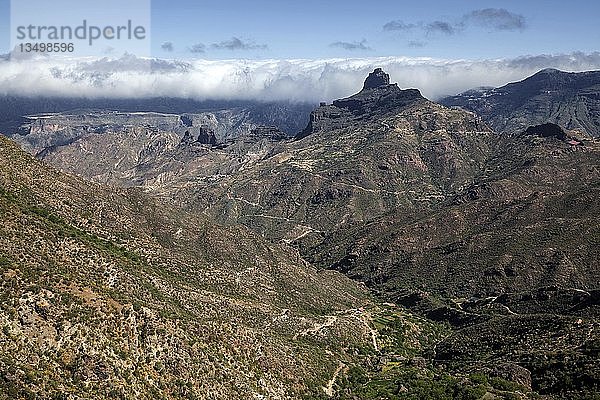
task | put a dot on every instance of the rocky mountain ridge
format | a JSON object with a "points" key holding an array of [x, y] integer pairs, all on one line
{"points": [[134, 142], [490, 237], [571, 100], [377, 97], [288, 117], [50, 132]]}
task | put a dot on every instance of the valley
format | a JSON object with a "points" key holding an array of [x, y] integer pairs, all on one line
{"points": [[391, 248]]}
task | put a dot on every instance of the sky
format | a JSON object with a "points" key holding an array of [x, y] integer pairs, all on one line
{"points": [[317, 28], [418, 40]]}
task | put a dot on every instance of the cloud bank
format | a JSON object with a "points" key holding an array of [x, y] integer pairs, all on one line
{"points": [[295, 80]]}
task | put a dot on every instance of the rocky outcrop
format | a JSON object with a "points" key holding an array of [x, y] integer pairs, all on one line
{"points": [[547, 131], [206, 136], [378, 97], [376, 79], [380, 100], [326, 118], [269, 133]]}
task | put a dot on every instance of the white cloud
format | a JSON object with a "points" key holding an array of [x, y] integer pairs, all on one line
{"points": [[298, 80]]}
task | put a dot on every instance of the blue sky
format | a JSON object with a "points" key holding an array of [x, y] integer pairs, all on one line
{"points": [[307, 29], [456, 29]]}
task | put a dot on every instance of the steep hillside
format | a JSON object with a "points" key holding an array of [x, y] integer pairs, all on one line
{"points": [[530, 219], [112, 295], [491, 239], [571, 100]]}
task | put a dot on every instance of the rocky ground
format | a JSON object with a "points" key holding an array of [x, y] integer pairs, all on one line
{"points": [[110, 295], [482, 241]]}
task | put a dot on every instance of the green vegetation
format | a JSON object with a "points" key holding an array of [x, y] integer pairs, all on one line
{"points": [[412, 383]]}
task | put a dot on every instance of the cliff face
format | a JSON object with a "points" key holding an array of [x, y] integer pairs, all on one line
{"points": [[377, 98]]}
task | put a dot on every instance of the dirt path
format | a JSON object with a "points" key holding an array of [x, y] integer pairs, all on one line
{"points": [[367, 321], [331, 319], [307, 231], [365, 318], [329, 388]]}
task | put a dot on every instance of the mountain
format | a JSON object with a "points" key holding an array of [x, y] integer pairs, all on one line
{"points": [[382, 150], [486, 241], [145, 149], [110, 294], [571, 100], [378, 96], [135, 132], [516, 226], [497, 235], [288, 117]]}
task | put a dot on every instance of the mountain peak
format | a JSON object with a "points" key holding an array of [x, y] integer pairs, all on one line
{"points": [[378, 95], [549, 71], [376, 79], [570, 99]]}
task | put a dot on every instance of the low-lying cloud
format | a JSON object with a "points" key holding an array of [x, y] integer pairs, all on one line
{"points": [[295, 80]]}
